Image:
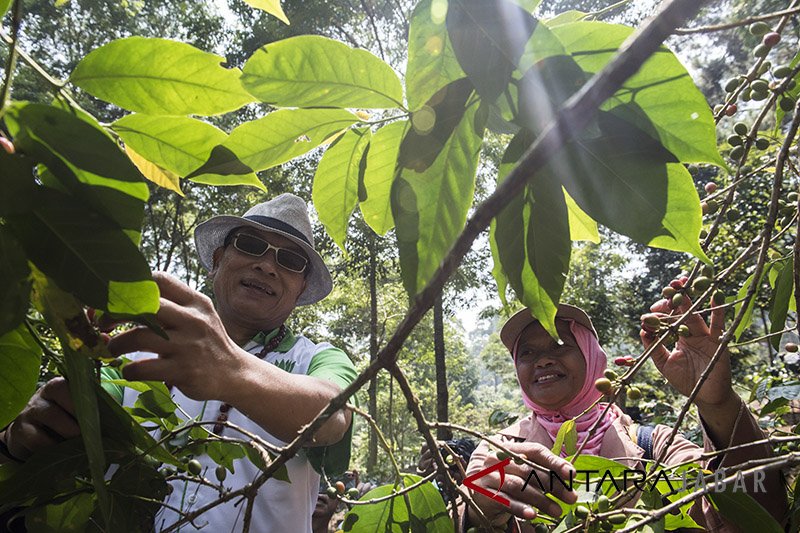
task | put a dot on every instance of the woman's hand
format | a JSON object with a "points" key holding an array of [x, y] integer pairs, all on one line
{"points": [[684, 365], [524, 498]]}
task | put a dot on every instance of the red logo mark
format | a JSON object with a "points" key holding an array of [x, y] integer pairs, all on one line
{"points": [[469, 481]]}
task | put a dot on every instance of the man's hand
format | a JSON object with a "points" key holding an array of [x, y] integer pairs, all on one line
{"points": [[46, 420], [199, 357], [523, 503], [683, 365]]}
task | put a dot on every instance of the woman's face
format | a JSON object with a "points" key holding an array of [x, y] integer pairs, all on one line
{"points": [[551, 374]]}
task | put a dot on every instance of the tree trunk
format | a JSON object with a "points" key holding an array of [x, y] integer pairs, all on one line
{"points": [[372, 391], [442, 397]]}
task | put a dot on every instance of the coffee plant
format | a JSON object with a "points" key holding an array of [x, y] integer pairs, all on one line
{"points": [[599, 125]]}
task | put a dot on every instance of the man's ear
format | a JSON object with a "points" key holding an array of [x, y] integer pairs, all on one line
{"points": [[215, 258]]}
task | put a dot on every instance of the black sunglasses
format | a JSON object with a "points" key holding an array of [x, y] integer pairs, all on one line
{"points": [[255, 246]]}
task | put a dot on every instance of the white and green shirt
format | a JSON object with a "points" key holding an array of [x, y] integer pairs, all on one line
{"points": [[280, 506]]}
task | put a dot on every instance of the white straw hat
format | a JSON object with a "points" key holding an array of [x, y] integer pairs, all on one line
{"points": [[286, 215]]}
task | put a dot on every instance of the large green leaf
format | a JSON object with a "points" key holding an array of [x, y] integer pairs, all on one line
{"points": [[86, 254], [379, 174], [741, 509], [47, 473], [430, 206], [781, 296], [671, 108], [489, 37], [20, 358], [532, 238], [280, 136], [18, 183], [178, 144], [335, 190], [625, 180], [80, 374], [432, 63], [314, 71], [136, 489], [273, 7], [161, 77], [433, 126], [84, 159], [581, 225], [14, 283], [423, 511], [69, 516]]}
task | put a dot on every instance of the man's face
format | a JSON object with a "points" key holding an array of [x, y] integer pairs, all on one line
{"points": [[549, 373], [255, 293]]}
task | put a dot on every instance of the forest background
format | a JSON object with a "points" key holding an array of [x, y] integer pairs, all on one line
{"points": [[460, 371]]}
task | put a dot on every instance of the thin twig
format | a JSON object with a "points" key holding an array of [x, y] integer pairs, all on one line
{"points": [[738, 23], [11, 60]]}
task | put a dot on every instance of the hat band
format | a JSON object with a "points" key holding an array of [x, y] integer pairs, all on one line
{"points": [[280, 225]]}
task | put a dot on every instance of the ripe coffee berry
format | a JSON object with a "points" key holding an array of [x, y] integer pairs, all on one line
{"points": [[771, 39], [710, 187]]}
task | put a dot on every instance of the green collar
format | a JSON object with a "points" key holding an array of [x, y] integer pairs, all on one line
{"points": [[263, 337]]}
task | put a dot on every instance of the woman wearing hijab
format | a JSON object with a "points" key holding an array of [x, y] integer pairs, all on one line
{"points": [[557, 382]]}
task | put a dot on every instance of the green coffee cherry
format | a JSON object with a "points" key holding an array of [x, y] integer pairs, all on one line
{"points": [[541, 528], [782, 72], [194, 467], [633, 393], [331, 491], [701, 283], [677, 300], [737, 153], [669, 292], [759, 28], [762, 143], [735, 140], [581, 511], [617, 518], [758, 96], [759, 86], [352, 493], [610, 374], [683, 331], [732, 84], [221, 472], [787, 103], [603, 385], [732, 215], [740, 128], [502, 456], [603, 502]]}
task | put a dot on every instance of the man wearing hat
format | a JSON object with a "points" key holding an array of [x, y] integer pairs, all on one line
{"points": [[234, 362]]}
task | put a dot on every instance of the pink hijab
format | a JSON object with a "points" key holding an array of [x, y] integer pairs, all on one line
{"points": [[551, 420]]}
